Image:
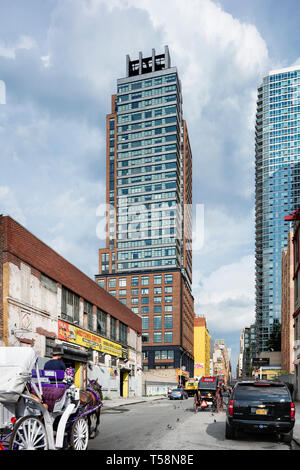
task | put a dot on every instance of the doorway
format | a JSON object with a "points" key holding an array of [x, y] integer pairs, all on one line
{"points": [[124, 383]]}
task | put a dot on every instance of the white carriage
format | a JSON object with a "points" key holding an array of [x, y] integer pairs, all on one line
{"points": [[39, 409]]}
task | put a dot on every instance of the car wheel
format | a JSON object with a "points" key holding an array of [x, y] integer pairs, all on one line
{"points": [[229, 432], [287, 437]]}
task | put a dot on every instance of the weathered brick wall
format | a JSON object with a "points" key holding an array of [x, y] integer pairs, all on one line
{"points": [[19, 244]]}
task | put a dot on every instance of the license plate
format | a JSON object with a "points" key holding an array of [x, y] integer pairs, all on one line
{"points": [[261, 412]]}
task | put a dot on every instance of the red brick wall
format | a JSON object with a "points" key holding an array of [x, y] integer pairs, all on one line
{"points": [[21, 244]]}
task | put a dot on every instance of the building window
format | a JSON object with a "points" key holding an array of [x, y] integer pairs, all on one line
{"points": [[144, 309], [134, 281], [168, 308], [168, 321], [112, 283], [50, 344], [134, 291], [145, 291], [157, 322], [122, 292], [145, 323], [145, 355], [145, 337], [168, 289], [145, 300], [168, 337], [135, 310], [101, 357], [48, 283], [69, 305], [101, 283], [157, 290], [157, 279], [122, 282], [168, 278], [157, 308], [134, 301], [168, 299], [145, 280], [113, 328], [157, 300], [122, 333], [164, 355], [113, 293], [101, 322], [88, 310], [157, 337]]}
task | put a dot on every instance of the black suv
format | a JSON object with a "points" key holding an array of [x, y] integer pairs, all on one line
{"points": [[260, 406]]}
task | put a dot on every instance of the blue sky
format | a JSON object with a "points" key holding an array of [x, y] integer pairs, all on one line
{"points": [[60, 61]]}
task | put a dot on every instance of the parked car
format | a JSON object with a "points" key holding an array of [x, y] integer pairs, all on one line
{"points": [[260, 406], [177, 394]]}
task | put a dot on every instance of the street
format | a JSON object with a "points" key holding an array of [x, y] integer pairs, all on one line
{"points": [[171, 425]]}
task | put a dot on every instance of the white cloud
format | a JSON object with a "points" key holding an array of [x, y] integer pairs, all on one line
{"points": [[9, 50], [226, 296]]}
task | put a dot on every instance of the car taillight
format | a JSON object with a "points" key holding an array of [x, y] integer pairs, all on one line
{"points": [[230, 408], [292, 410]]}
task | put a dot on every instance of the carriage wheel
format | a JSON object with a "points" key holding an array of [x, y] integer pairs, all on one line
{"points": [[29, 433], [79, 434]]}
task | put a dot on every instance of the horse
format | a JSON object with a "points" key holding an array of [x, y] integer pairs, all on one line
{"points": [[90, 398]]}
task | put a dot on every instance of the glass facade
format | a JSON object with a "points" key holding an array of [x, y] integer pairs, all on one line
{"points": [[277, 189], [148, 166]]}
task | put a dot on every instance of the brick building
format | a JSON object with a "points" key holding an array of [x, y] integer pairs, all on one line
{"points": [[287, 307], [46, 301], [147, 260]]}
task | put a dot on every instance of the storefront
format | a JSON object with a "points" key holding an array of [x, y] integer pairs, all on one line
{"points": [[79, 346]]}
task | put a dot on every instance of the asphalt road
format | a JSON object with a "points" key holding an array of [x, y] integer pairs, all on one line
{"points": [[171, 425]]}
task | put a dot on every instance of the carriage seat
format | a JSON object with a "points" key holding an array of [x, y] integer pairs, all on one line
{"points": [[52, 394], [52, 387]]}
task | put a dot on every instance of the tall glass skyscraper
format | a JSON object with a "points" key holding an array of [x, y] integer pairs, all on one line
{"points": [[277, 189], [147, 262]]}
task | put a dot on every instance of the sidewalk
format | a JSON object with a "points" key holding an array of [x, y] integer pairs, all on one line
{"points": [[297, 423], [115, 402]]}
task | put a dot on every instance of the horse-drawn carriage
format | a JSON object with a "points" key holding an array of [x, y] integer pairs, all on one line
{"points": [[42, 409], [208, 395]]}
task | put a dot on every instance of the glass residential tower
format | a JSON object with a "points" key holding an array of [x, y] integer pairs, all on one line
{"points": [[277, 190]]}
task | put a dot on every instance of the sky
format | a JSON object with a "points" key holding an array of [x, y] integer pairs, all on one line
{"points": [[59, 62]]}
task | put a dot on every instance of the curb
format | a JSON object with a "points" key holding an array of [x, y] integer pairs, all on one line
{"points": [[135, 402]]}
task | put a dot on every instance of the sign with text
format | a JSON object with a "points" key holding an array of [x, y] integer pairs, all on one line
{"points": [[75, 335], [260, 361]]}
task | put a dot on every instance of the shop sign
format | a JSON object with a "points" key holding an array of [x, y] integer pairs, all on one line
{"points": [[75, 335], [199, 365]]}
